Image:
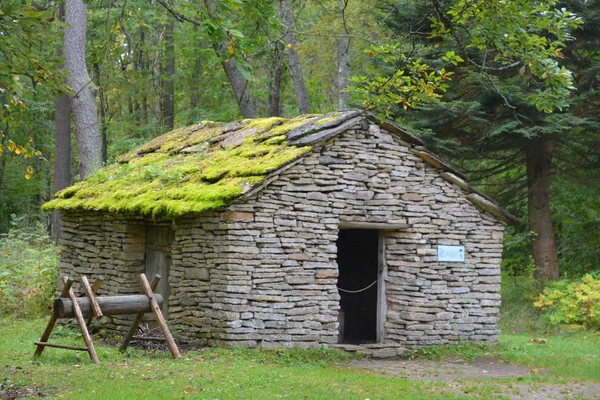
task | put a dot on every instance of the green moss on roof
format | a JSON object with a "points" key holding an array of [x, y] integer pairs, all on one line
{"points": [[204, 167], [193, 169]]}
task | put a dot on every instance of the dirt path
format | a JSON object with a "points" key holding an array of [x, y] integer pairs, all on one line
{"points": [[454, 372]]}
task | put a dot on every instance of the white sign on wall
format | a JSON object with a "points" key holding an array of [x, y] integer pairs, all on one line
{"points": [[451, 253]]}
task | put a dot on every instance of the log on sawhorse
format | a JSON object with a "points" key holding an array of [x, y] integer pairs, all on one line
{"points": [[69, 306]]}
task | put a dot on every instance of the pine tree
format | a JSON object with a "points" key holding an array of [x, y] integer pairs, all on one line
{"points": [[508, 109]]}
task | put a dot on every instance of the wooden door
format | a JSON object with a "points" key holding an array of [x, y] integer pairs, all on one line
{"points": [[158, 260]]}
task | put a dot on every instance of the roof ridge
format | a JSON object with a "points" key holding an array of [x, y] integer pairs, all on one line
{"points": [[206, 166]]}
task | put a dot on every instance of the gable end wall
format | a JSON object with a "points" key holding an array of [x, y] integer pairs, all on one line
{"points": [[273, 278]]}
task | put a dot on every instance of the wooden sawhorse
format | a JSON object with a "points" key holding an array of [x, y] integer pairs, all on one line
{"points": [[69, 306]]}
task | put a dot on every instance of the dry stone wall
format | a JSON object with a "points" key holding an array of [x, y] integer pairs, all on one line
{"points": [[199, 276], [263, 272], [94, 244]]}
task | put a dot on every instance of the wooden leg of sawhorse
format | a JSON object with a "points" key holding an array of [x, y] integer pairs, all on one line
{"points": [[83, 327], [138, 318], [68, 282], [90, 292], [159, 317], [68, 291]]}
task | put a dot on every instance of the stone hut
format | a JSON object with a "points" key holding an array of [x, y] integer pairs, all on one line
{"points": [[321, 229]]}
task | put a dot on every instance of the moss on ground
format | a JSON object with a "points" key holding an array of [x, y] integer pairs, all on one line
{"points": [[190, 170]]}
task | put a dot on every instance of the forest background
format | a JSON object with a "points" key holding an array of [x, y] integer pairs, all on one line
{"points": [[506, 90]]}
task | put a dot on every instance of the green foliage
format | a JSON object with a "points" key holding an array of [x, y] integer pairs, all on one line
{"points": [[515, 71], [516, 255], [531, 34], [524, 38], [24, 177], [411, 83], [572, 302], [27, 72], [518, 315], [28, 77], [28, 271], [22, 26], [576, 209]]}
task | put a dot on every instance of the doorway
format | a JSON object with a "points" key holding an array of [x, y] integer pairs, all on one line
{"points": [[158, 260], [358, 285]]}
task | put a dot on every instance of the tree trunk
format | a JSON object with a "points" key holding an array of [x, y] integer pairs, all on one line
{"points": [[239, 84], [145, 108], [144, 67], [103, 139], [168, 111], [539, 162], [343, 48], [83, 100], [63, 156], [195, 90], [275, 92], [3, 143], [37, 162], [285, 9], [136, 92], [157, 84]]}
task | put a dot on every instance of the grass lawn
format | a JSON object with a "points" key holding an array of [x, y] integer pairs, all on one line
{"points": [[574, 358], [253, 374]]}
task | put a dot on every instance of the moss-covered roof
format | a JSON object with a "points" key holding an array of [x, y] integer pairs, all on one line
{"points": [[206, 166], [201, 167]]}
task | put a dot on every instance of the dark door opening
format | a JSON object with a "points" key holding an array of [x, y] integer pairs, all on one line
{"points": [[358, 269]]}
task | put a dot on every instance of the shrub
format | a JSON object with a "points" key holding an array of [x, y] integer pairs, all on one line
{"points": [[28, 270], [572, 302]]}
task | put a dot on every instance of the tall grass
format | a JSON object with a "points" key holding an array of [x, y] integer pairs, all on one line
{"points": [[518, 315], [28, 270]]}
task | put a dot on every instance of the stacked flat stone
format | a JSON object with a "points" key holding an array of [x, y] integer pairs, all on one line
{"points": [[262, 272]]}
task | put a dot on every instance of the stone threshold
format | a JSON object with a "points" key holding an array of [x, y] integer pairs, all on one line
{"points": [[375, 350]]}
